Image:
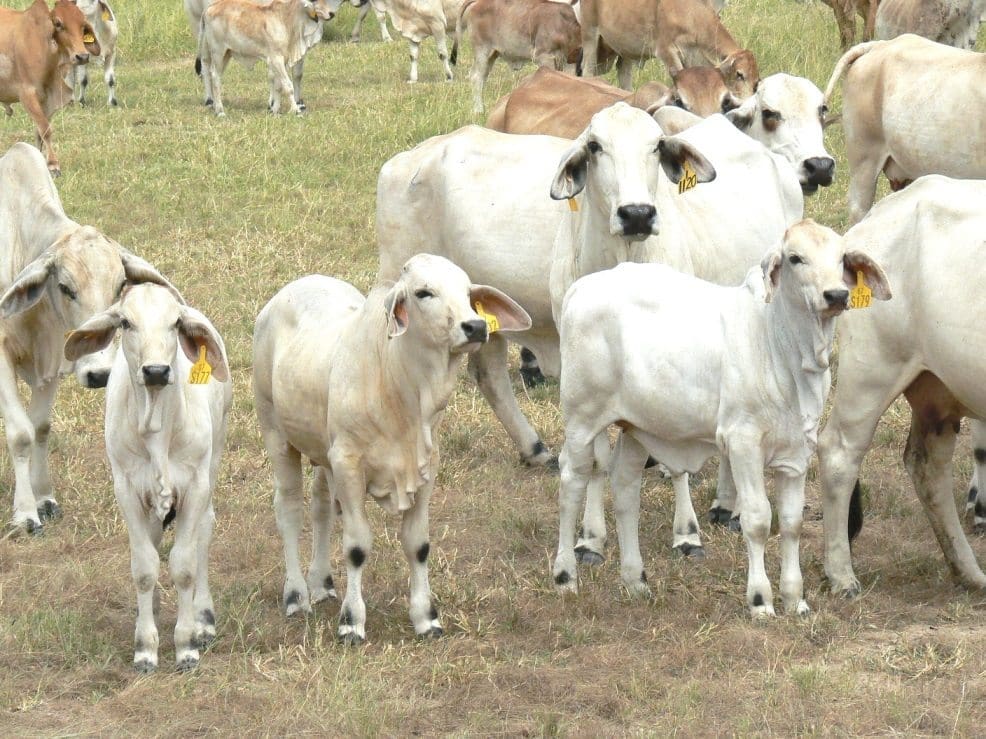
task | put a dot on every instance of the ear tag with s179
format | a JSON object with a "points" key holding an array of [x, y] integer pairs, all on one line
{"points": [[861, 295]]}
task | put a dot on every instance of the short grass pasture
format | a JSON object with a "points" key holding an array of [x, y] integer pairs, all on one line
{"points": [[233, 209]]}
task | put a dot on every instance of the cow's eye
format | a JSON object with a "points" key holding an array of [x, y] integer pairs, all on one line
{"points": [[594, 147], [125, 324], [422, 294], [795, 259], [740, 76], [66, 291]]}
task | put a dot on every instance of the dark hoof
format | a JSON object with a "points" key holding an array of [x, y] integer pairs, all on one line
{"points": [[979, 528], [145, 666], [585, 556], [352, 639], [186, 664], [651, 462], [435, 632], [34, 528], [552, 464], [113, 103], [203, 639], [690, 551], [301, 106], [719, 516], [734, 524], [49, 510], [532, 376], [208, 102]]}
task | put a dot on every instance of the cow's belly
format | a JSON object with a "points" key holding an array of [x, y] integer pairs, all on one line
{"points": [[627, 35]]}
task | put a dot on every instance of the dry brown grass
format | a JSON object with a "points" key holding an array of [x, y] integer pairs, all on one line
{"points": [[232, 210]]}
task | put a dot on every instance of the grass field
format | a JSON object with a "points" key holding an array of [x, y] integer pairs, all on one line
{"points": [[233, 209]]}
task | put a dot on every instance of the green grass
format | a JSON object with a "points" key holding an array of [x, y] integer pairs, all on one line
{"points": [[233, 209]]}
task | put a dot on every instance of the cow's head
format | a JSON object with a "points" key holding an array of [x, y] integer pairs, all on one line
{"points": [[813, 269], [153, 322], [321, 10], [92, 8], [616, 161], [78, 276], [434, 303], [699, 90], [786, 115], [74, 36], [741, 73]]}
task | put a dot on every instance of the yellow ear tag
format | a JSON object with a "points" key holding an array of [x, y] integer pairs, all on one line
{"points": [[860, 296], [492, 322], [312, 14], [688, 180], [573, 204], [201, 370], [88, 38], [106, 15]]}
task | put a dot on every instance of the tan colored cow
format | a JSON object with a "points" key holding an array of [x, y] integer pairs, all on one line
{"points": [[910, 107], [517, 31], [37, 48], [682, 33], [845, 18], [559, 104], [416, 20]]}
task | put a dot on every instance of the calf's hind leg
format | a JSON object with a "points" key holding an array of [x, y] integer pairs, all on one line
{"points": [[288, 510], [320, 582]]}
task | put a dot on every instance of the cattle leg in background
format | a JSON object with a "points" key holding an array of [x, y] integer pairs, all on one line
{"points": [[978, 507], [530, 371], [364, 10]]}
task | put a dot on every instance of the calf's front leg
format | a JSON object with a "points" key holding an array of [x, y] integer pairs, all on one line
{"points": [[790, 504], [39, 412], [20, 443], [29, 99], [357, 541], [143, 529], [183, 564], [414, 542], [746, 461]]}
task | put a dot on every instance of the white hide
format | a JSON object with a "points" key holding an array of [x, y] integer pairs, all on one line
{"points": [[101, 17], [416, 20]]}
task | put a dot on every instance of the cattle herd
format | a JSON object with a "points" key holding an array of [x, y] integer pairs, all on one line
{"points": [[647, 248]]}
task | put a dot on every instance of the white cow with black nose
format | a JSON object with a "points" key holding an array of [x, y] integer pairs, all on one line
{"points": [[100, 16], [165, 431], [688, 370], [359, 386]]}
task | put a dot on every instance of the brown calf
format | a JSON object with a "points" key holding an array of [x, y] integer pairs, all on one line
{"points": [[845, 18], [38, 46], [541, 31], [682, 33]]}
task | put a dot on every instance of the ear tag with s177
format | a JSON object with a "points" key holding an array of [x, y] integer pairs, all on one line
{"points": [[201, 371], [861, 295], [492, 322]]}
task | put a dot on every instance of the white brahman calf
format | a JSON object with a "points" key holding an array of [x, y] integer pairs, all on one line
{"points": [[379, 8], [100, 16], [165, 431], [54, 274], [925, 344], [359, 386], [689, 369]]}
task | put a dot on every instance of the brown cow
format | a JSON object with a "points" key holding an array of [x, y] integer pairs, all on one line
{"points": [[37, 48], [682, 33], [845, 18], [519, 31], [559, 104]]}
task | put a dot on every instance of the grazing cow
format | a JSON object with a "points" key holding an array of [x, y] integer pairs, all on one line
{"points": [[891, 124], [165, 432], [519, 31], [952, 22], [558, 104], [359, 387], [845, 18], [688, 369], [930, 238], [100, 17], [280, 32], [54, 275], [416, 20], [481, 198], [682, 33], [379, 8], [36, 47]]}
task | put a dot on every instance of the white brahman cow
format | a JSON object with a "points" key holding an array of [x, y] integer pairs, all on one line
{"points": [[54, 275], [687, 370], [100, 16], [359, 387], [481, 198], [924, 344], [166, 406]]}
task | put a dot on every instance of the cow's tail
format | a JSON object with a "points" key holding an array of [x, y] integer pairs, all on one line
{"points": [[460, 26], [201, 38], [846, 61], [578, 62], [855, 511]]}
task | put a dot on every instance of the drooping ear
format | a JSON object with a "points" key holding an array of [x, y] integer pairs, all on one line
{"points": [[876, 278], [665, 99], [572, 170], [771, 266], [92, 336], [395, 306], [675, 152], [742, 117], [105, 11], [673, 120], [510, 315], [138, 271], [89, 40], [29, 286], [195, 330]]}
